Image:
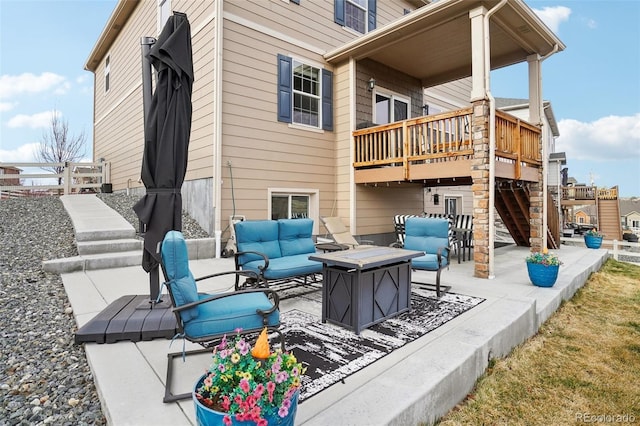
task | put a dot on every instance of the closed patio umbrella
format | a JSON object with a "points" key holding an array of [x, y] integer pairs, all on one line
{"points": [[167, 132]]}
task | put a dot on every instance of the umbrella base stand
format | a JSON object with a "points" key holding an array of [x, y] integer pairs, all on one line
{"points": [[155, 299], [152, 304]]}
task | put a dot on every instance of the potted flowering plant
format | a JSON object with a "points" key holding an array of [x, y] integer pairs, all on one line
{"points": [[543, 268], [247, 385], [593, 238]]}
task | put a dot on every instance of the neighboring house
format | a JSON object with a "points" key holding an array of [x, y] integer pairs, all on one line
{"points": [[630, 213], [586, 215], [10, 171], [286, 92]]}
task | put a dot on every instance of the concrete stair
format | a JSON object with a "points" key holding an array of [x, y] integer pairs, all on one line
{"points": [[106, 240], [109, 246]]}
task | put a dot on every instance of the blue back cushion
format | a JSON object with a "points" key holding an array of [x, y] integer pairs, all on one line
{"points": [[295, 236], [175, 259], [426, 234], [257, 235]]}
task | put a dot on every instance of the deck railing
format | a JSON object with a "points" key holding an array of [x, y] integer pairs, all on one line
{"points": [[73, 177], [588, 193], [443, 137]]}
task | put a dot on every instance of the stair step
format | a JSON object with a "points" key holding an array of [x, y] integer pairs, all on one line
{"points": [[108, 246], [106, 234], [93, 261]]}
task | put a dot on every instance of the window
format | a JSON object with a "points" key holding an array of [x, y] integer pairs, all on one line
{"points": [[107, 72], [390, 108], [359, 15], [164, 11], [289, 206], [305, 94], [354, 15], [451, 205]]}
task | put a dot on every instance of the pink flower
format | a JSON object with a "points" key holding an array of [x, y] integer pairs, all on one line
{"points": [[244, 385], [226, 403], [227, 420], [270, 388], [281, 377], [259, 390], [283, 411]]}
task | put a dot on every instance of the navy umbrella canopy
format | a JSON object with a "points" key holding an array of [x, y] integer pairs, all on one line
{"points": [[167, 132]]}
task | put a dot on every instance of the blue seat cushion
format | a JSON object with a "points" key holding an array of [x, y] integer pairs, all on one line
{"points": [[257, 235], [295, 236], [428, 262], [426, 234], [181, 284], [227, 314], [286, 267]]}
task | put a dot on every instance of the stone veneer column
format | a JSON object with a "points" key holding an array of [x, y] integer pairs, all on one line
{"points": [[536, 211], [480, 187]]}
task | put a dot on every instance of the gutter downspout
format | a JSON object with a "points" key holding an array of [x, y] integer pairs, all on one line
{"points": [[217, 133], [545, 156], [492, 136]]}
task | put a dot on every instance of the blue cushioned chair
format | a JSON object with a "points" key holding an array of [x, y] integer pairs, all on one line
{"points": [[205, 318], [431, 236]]}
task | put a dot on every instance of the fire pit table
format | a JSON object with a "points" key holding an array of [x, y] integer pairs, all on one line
{"points": [[366, 285]]}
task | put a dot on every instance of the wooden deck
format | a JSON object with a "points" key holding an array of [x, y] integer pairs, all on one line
{"points": [[439, 148], [127, 318]]}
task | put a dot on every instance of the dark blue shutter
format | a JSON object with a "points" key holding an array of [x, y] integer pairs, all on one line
{"points": [[327, 100], [338, 12], [284, 88], [372, 15], [295, 1]]}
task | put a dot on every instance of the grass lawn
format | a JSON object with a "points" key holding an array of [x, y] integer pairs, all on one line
{"points": [[583, 366]]}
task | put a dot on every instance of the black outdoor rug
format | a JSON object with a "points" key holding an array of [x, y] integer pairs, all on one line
{"points": [[331, 353]]}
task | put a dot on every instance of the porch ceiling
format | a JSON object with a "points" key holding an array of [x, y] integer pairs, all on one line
{"points": [[433, 43]]}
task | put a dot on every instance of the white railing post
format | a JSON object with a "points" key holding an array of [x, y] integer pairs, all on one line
{"points": [[67, 178], [615, 249]]}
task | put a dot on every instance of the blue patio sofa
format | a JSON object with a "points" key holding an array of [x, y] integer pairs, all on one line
{"points": [[276, 250]]}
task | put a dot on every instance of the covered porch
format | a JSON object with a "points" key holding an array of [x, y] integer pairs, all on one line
{"points": [[474, 145]]}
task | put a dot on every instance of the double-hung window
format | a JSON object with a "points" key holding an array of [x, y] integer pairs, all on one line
{"points": [[305, 94], [359, 15]]}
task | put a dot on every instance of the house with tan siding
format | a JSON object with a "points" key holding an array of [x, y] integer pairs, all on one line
{"points": [[346, 108]]}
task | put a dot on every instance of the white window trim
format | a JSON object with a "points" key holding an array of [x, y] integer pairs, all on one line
{"points": [[313, 64], [107, 73], [159, 20], [314, 199], [392, 96]]}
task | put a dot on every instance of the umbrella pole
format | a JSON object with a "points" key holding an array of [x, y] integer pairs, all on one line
{"points": [[146, 43]]}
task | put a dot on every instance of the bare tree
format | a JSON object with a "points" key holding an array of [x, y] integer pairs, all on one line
{"points": [[57, 146]]}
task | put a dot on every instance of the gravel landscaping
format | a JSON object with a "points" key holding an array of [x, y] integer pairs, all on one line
{"points": [[44, 376]]}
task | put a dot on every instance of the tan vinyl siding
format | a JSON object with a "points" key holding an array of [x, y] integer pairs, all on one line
{"points": [[378, 204], [450, 96], [263, 152], [311, 22], [342, 125], [118, 115], [119, 132]]}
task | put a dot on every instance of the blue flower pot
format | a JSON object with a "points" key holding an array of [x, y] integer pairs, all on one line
{"points": [[205, 416], [543, 275], [592, 241]]}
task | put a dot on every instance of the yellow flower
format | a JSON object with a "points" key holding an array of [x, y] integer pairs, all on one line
{"points": [[235, 358], [545, 251]]}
